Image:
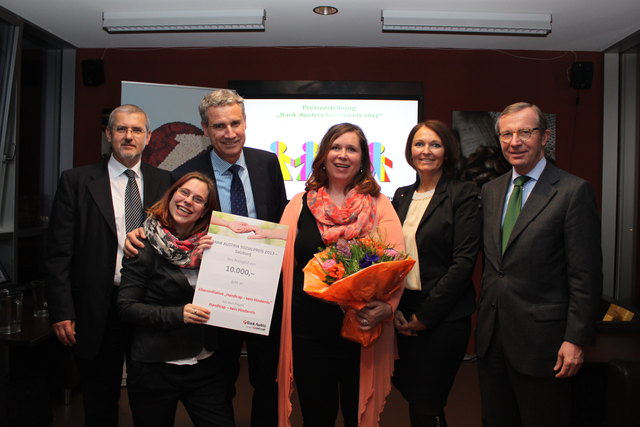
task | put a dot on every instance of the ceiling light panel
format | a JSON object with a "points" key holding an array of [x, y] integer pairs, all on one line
{"points": [[466, 22], [168, 21]]}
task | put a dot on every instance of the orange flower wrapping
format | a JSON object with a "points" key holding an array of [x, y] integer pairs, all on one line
{"points": [[376, 282]]}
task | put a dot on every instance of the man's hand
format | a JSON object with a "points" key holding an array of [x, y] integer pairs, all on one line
{"points": [[570, 359], [133, 240], [66, 332], [410, 328]]}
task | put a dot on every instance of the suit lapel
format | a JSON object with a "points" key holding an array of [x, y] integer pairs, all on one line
{"points": [[100, 190], [150, 188], [403, 201], [540, 197], [151, 191], [207, 168], [439, 196], [492, 208], [405, 197], [257, 172]]}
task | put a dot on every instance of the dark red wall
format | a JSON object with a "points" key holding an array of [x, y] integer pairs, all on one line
{"points": [[453, 79]]}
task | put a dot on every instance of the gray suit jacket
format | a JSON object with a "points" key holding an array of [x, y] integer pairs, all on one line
{"points": [[546, 287]]}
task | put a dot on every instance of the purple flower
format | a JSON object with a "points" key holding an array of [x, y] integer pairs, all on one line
{"points": [[343, 248], [368, 260]]}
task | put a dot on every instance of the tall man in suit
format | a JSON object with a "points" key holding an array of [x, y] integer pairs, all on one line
{"points": [[542, 280], [84, 256], [224, 122]]}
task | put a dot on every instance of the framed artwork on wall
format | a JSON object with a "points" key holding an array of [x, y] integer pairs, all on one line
{"points": [[4, 277], [482, 158]]}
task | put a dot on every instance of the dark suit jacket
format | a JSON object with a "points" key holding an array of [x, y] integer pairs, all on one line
{"points": [[82, 244], [546, 287], [448, 240], [152, 296], [265, 176]]}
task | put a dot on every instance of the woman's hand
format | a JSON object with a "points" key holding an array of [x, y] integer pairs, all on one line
{"points": [[372, 314], [133, 240], [205, 242], [195, 314], [410, 328], [239, 227], [235, 226]]}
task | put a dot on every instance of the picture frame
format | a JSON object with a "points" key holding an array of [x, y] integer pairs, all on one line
{"points": [[4, 276]]}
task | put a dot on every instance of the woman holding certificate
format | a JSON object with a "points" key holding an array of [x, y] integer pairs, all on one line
{"points": [[172, 354], [441, 227], [342, 201]]}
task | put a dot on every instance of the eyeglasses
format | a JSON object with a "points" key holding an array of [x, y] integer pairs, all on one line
{"points": [[524, 134], [196, 200], [123, 130]]}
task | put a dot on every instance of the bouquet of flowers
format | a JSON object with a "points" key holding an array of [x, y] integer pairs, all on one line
{"points": [[352, 273]]}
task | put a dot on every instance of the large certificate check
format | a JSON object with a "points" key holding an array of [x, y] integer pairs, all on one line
{"points": [[239, 274]]}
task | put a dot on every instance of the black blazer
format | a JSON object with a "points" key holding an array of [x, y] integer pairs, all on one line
{"points": [[152, 296], [265, 176], [81, 249], [546, 287], [448, 240]]}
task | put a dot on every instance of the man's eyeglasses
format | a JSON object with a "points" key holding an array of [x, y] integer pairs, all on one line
{"points": [[196, 200], [524, 134], [123, 130]]}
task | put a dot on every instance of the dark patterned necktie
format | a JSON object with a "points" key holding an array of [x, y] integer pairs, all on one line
{"points": [[238, 199], [513, 209], [133, 213]]}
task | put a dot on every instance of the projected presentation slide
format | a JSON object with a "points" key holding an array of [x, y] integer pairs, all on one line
{"points": [[293, 129]]}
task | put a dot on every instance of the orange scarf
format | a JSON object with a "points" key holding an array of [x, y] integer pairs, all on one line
{"points": [[354, 219]]}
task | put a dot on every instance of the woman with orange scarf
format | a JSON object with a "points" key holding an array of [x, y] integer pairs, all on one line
{"points": [[342, 201]]}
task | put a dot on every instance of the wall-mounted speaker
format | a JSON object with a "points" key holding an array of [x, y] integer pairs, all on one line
{"points": [[92, 72], [581, 75]]}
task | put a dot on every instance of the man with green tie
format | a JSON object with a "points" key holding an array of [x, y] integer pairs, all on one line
{"points": [[542, 279]]}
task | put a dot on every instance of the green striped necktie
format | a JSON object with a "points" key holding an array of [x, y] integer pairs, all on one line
{"points": [[513, 209]]}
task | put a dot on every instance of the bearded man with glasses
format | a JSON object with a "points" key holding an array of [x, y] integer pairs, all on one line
{"points": [[94, 207], [542, 280]]}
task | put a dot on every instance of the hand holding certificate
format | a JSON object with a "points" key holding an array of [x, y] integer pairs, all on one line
{"points": [[239, 274]]}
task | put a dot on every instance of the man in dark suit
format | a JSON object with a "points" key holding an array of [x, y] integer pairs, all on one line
{"points": [[224, 122], [542, 280], [84, 256]]}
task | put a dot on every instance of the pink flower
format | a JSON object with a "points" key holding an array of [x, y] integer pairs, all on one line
{"points": [[326, 266], [391, 252]]}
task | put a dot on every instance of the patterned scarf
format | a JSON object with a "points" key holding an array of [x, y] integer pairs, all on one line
{"points": [[354, 219], [177, 252]]}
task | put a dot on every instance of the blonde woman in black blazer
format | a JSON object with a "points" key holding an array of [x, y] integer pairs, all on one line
{"points": [[441, 221], [173, 354]]}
